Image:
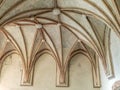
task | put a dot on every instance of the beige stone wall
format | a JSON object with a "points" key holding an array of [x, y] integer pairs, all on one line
{"points": [[45, 73]]}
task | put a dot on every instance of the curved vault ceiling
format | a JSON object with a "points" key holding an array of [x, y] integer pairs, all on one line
{"points": [[61, 28]]}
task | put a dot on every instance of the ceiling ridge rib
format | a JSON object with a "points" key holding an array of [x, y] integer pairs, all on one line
{"points": [[11, 8]]}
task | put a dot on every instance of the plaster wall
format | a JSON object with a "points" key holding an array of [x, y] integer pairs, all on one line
{"points": [[115, 49], [45, 73]]}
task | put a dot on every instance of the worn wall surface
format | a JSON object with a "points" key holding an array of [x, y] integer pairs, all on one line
{"points": [[45, 73], [115, 49]]}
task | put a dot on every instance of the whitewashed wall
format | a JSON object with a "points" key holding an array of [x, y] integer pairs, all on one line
{"points": [[115, 48], [44, 77]]}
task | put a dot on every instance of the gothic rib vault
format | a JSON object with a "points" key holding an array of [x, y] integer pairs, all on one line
{"points": [[61, 28]]}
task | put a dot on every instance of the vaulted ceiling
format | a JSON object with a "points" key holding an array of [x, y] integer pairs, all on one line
{"points": [[61, 28]]}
